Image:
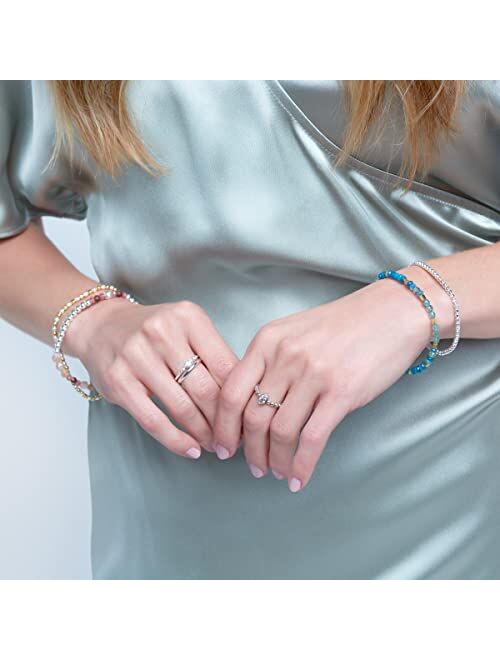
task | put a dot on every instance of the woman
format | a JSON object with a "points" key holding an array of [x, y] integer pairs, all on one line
{"points": [[225, 210]]}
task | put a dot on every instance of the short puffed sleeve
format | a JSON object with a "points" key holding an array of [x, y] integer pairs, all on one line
{"points": [[30, 185]]}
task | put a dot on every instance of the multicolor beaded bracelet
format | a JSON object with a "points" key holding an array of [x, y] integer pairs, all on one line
{"points": [[82, 302], [432, 350], [74, 301]]}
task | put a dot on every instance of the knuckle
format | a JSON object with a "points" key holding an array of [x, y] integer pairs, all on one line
{"points": [[187, 309], [155, 327], [230, 397], [313, 438], [281, 432], [267, 333], [150, 421], [318, 368], [131, 348], [252, 420], [207, 388], [184, 408], [222, 366], [290, 348]]}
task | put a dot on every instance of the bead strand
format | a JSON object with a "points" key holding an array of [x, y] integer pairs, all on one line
{"points": [[88, 298], [82, 306], [432, 351], [454, 302], [74, 301]]}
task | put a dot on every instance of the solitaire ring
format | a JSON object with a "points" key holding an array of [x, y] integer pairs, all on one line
{"points": [[187, 368]]}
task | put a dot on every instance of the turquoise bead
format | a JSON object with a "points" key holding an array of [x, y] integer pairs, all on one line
{"points": [[401, 277]]}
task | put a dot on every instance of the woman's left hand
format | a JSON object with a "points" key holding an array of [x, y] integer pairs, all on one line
{"points": [[321, 364]]}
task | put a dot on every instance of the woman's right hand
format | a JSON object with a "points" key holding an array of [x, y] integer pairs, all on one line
{"points": [[134, 351]]}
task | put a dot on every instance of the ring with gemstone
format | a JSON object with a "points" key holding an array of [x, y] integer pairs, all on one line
{"points": [[187, 368], [264, 399]]}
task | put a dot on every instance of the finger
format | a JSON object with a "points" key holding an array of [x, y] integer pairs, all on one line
{"points": [[200, 387], [326, 416], [257, 418], [200, 383], [235, 393], [286, 426], [216, 355], [135, 400], [147, 365]]}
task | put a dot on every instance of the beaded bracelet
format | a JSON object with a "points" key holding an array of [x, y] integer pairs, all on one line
{"points": [[82, 302], [454, 302], [74, 301], [432, 351]]}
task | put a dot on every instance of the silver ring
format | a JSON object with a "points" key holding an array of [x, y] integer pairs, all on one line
{"points": [[187, 368], [263, 398]]}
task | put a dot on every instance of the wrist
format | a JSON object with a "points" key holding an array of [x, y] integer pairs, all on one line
{"points": [[84, 328], [438, 297], [398, 303]]}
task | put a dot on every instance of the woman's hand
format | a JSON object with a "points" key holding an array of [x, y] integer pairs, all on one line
{"points": [[321, 364], [134, 351]]}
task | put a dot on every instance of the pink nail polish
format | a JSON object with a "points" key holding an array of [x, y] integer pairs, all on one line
{"points": [[194, 452], [221, 452], [295, 484], [277, 475], [256, 471]]}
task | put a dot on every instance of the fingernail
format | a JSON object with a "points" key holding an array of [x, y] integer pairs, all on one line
{"points": [[221, 452], [257, 472], [277, 475], [194, 452], [295, 484]]}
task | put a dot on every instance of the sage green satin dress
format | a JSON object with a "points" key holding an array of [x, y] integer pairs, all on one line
{"points": [[253, 222]]}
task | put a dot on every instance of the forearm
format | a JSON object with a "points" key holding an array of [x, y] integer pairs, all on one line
{"points": [[474, 276], [35, 281]]}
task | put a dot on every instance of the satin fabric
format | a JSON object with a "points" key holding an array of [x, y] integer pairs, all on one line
{"points": [[254, 222]]}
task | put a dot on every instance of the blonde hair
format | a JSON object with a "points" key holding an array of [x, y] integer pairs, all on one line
{"points": [[428, 107], [97, 111]]}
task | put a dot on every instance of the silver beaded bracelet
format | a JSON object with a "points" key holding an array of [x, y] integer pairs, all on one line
{"points": [[453, 298]]}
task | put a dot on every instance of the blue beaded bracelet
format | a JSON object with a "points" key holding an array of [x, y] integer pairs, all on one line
{"points": [[432, 350]]}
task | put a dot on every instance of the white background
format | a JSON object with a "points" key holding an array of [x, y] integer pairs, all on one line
{"points": [[44, 487]]}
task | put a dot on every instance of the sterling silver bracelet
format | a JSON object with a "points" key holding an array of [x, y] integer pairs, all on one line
{"points": [[453, 298]]}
